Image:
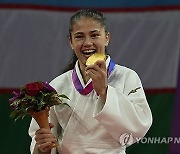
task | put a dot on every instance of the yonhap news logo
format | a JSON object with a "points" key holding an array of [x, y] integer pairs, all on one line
{"points": [[127, 139]]}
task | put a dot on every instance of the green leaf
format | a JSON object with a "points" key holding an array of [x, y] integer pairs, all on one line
{"points": [[16, 102], [63, 96], [20, 116], [29, 107], [13, 114], [23, 107], [40, 105]]}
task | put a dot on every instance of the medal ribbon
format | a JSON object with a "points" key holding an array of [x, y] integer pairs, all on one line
{"points": [[89, 87]]}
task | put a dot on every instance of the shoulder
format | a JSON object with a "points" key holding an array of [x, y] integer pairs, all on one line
{"points": [[61, 80], [124, 75], [124, 79], [124, 71]]}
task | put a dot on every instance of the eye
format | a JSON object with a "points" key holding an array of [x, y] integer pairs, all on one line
{"points": [[95, 35], [78, 37]]}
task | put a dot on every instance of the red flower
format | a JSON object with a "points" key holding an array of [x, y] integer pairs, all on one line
{"points": [[34, 88]]}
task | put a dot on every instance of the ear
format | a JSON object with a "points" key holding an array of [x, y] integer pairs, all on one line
{"points": [[107, 39]]}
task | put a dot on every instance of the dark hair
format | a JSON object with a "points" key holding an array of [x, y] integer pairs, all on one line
{"points": [[88, 13], [71, 64]]}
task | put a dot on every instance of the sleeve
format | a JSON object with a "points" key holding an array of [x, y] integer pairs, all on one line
{"points": [[34, 127], [126, 111]]}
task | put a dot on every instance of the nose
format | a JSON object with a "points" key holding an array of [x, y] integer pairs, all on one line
{"points": [[87, 41]]}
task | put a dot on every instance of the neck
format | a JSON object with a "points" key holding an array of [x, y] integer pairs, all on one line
{"points": [[84, 76]]}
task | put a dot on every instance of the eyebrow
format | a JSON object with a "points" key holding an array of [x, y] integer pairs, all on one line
{"points": [[90, 32], [95, 31]]}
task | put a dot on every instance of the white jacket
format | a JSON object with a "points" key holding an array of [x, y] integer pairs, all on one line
{"points": [[90, 127]]}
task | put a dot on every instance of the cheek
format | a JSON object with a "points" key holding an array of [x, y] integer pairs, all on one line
{"points": [[77, 44], [77, 47], [100, 44]]}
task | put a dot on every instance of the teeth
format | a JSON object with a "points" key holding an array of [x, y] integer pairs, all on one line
{"points": [[88, 51]]}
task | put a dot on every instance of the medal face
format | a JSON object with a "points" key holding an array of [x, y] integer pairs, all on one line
{"points": [[97, 56]]}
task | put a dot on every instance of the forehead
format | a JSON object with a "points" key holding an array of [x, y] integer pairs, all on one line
{"points": [[86, 24]]}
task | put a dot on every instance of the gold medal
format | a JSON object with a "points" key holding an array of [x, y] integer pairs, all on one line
{"points": [[93, 58]]}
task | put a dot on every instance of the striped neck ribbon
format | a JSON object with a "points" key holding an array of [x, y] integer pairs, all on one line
{"points": [[88, 88]]}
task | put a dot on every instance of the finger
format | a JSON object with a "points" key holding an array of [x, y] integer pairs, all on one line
{"points": [[101, 64], [42, 131], [94, 72], [91, 73], [93, 67], [42, 141], [97, 70], [44, 136], [45, 140], [45, 147]]}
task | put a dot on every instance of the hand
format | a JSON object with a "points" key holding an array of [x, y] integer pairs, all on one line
{"points": [[44, 139], [98, 73]]}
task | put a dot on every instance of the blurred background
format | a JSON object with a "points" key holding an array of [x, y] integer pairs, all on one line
{"points": [[145, 36]]}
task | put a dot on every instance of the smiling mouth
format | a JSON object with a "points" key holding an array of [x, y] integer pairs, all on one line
{"points": [[88, 52]]}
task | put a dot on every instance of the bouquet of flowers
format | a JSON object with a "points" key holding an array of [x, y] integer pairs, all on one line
{"points": [[35, 99]]}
